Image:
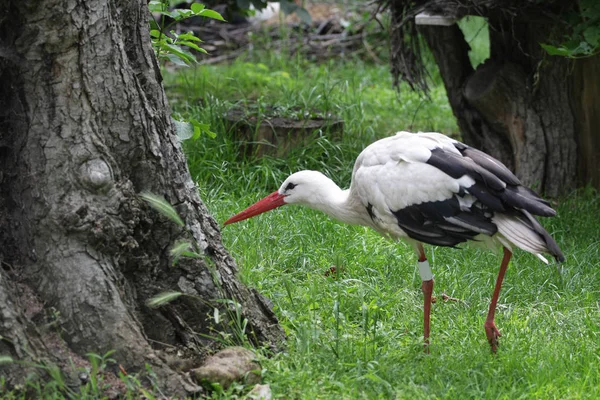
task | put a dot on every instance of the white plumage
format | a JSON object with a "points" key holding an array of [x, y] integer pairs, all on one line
{"points": [[427, 188]]}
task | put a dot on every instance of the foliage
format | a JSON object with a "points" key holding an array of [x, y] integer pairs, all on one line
{"points": [[584, 37], [175, 47], [170, 45], [191, 128]]}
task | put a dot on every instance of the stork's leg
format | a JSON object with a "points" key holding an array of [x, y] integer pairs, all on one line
{"points": [[491, 331], [427, 287]]}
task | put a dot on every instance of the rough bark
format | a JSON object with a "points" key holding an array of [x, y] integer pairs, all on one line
{"points": [[521, 105], [586, 90], [84, 128]]}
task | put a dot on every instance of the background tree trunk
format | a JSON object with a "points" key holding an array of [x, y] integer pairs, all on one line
{"points": [[530, 110], [84, 128]]}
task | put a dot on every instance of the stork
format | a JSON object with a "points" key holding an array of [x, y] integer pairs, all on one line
{"points": [[428, 188]]}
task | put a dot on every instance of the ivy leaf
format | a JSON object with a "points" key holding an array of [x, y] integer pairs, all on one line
{"points": [[556, 51], [592, 35]]}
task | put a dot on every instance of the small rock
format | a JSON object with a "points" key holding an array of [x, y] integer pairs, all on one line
{"points": [[229, 365], [260, 392]]}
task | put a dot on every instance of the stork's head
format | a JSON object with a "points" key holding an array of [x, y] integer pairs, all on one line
{"points": [[304, 187]]}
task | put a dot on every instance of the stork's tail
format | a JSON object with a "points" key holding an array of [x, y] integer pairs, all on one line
{"points": [[521, 229]]}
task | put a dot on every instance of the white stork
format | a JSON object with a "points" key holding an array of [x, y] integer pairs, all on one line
{"points": [[428, 188]]}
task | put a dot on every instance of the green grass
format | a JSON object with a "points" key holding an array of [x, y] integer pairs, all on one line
{"points": [[360, 335]]}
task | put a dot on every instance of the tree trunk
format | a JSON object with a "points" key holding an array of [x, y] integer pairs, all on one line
{"points": [[85, 128], [530, 110]]}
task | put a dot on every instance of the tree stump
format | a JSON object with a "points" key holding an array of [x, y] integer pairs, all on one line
{"points": [[275, 135]]}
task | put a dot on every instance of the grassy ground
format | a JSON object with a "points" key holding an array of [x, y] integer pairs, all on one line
{"points": [[358, 335]]}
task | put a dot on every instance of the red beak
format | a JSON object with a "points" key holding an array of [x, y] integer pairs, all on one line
{"points": [[270, 202]]}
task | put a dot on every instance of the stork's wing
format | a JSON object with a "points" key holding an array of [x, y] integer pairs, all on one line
{"points": [[437, 190]]}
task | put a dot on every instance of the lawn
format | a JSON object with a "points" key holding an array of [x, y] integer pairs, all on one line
{"points": [[358, 334]]}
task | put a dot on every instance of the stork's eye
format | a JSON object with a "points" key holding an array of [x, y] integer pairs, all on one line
{"points": [[289, 186]]}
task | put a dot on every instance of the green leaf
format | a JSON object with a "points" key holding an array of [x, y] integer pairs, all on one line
{"points": [[156, 6], [155, 33], [163, 207], [304, 15], [177, 15], [592, 35], [154, 24], [556, 51], [184, 14], [163, 298], [175, 53], [200, 128], [212, 14], [189, 36], [184, 129], [197, 7], [289, 7], [179, 52], [175, 60], [193, 46]]}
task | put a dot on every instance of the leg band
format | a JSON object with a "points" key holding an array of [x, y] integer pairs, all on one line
{"points": [[425, 270]]}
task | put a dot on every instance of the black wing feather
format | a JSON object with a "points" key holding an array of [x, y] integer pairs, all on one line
{"points": [[489, 163], [496, 189], [456, 166], [495, 186], [444, 223]]}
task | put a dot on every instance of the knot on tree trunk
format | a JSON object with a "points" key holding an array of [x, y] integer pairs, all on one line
{"points": [[96, 176]]}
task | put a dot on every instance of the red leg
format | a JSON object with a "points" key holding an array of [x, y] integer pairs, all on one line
{"points": [[427, 291], [491, 331], [427, 288]]}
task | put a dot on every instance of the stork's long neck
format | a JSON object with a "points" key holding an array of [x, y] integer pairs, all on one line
{"points": [[339, 204]]}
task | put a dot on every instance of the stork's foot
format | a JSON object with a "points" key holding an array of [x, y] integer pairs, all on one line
{"points": [[492, 334]]}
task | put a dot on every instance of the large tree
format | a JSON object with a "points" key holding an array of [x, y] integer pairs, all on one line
{"points": [[535, 112], [84, 129]]}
